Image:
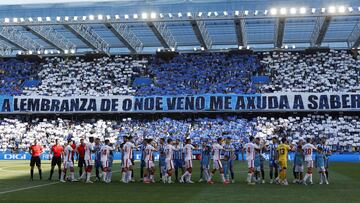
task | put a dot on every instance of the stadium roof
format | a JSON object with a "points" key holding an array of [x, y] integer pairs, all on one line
{"points": [[144, 26]]}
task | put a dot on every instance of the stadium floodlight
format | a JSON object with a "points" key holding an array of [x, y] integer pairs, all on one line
{"points": [[180, 15], [100, 17], [19, 52], [161, 15], [22, 20], [341, 9], [158, 50], [323, 10], [240, 47], [225, 13], [51, 52], [293, 46], [75, 18], [273, 11], [188, 14], [359, 8], [46, 52], [48, 19], [332, 9], [91, 17], [15, 20], [266, 12], [66, 51], [126, 16], [195, 48], [30, 52], [58, 18], [246, 12], [293, 11], [209, 14], [144, 15], [38, 52], [286, 46], [256, 12], [117, 17], [170, 15], [39, 19], [216, 13], [247, 47], [66, 18], [58, 52], [30, 19], [313, 10], [350, 9], [7, 20], [237, 13], [202, 49], [283, 11], [302, 10], [108, 17], [84, 17], [72, 51], [172, 49], [153, 15]]}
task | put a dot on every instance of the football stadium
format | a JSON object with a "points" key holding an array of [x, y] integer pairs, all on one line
{"points": [[180, 101]]}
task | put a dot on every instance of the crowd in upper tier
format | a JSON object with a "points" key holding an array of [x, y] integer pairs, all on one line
{"points": [[334, 71], [342, 133]]}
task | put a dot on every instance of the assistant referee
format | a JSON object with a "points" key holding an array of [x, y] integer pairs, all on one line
{"points": [[35, 150], [57, 151]]}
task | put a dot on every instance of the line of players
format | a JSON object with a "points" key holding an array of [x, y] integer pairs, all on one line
{"points": [[174, 156]]}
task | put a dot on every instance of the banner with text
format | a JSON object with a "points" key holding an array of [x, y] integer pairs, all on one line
{"points": [[271, 102]]}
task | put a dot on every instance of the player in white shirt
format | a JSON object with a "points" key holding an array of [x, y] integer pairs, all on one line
{"points": [[68, 163], [169, 151], [308, 149], [250, 156], [89, 162], [188, 162], [127, 156], [216, 150], [149, 162], [104, 158]]}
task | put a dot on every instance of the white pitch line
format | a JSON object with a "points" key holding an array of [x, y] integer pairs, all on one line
{"points": [[36, 186], [26, 188]]}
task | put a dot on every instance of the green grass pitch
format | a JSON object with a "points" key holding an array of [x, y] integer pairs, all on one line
{"points": [[15, 187]]}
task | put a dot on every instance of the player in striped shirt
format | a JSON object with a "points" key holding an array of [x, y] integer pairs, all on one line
{"points": [[89, 162], [205, 162], [105, 152], [327, 152], [127, 163], [186, 177], [68, 162], [250, 148], [229, 151], [178, 159], [169, 150], [273, 166], [320, 164], [149, 162], [216, 149], [162, 157]]}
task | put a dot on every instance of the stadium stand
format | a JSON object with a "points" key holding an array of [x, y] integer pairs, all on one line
{"points": [[13, 73], [201, 73], [342, 132], [320, 72], [99, 77]]}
